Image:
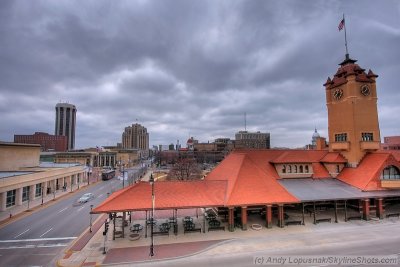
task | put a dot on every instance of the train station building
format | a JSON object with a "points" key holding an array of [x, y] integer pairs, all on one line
{"points": [[350, 179]]}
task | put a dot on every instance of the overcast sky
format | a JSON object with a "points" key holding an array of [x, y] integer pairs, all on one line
{"points": [[189, 68]]}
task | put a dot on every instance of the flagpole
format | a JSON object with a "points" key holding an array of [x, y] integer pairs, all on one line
{"points": [[345, 37]]}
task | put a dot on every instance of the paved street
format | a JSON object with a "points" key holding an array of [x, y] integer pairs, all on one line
{"points": [[358, 238], [36, 239]]}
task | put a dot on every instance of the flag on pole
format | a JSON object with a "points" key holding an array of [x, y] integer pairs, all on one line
{"points": [[341, 25]]}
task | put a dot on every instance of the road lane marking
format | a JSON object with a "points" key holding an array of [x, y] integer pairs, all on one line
{"points": [[37, 239], [22, 233], [46, 232], [63, 209], [35, 246], [80, 208]]}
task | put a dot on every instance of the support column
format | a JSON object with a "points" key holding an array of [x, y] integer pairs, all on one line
{"points": [[123, 224], [336, 215], [302, 209], [268, 216], [44, 189], [345, 210], [3, 201], [32, 189], [281, 218], [231, 223], [18, 197], [365, 209], [379, 208], [244, 218]]}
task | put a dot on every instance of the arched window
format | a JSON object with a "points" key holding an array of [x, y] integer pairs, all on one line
{"points": [[284, 169], [295, 168], [390, 173], [306, 168], [301, 169], [290, 169]]}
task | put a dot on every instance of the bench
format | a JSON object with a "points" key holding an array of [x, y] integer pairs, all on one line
{"points": [[293, 223], [354, 218], [192, 230], [393, 215], [216, 228], [161, 233], [323, 220]]}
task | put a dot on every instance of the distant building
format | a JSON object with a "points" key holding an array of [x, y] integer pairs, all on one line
{"points": [[391, 143], [136, 137], [46, 141], [66, 123], [190, 143], [24, 178], [245, 139]]}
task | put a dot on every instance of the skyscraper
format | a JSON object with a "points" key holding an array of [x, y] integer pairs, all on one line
{"points": [[137, 137], [66, 122]]}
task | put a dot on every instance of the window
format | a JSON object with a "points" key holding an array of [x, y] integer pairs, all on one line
{"points": [[390, 173], [342, 137], [38, 191], [337, 168], [284, 169], [367, 137], [295, 168], [306, 168], [301, 169], [25, 193], [290, 169], [11, 198]]}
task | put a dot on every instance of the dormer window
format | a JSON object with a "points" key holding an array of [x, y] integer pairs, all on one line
{"points": [[390, 173]]}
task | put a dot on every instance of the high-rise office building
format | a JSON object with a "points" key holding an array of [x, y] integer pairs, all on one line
{"points": [[136, 136], [66, 122]]}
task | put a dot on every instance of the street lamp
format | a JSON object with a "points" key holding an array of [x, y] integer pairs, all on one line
{"points": [[152, 215], [90, 228]]}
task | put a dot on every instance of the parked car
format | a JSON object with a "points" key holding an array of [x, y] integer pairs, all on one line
{"points": [[85, 198]]}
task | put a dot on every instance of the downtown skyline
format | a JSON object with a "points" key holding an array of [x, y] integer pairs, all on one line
{"points": [[189, 68]]}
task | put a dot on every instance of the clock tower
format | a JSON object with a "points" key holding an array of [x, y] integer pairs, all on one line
{"points": [[351, 100]]}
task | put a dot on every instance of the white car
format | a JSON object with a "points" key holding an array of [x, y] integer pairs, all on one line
{"points": [[85, 198]]}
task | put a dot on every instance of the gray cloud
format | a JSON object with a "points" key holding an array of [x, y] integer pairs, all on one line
{"points": [[185, 68]]}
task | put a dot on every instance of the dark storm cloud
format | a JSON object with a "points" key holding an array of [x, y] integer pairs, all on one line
{"points": [[188, 68]]}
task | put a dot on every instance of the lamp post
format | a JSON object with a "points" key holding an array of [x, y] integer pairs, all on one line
{"points": [[152, 215], [123, 176], [90, 228]]}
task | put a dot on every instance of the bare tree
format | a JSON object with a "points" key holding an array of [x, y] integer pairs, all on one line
{"points": [[185, 169]]}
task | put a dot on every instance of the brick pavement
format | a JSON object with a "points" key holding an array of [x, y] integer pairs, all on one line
{"points": [[164, 251]]}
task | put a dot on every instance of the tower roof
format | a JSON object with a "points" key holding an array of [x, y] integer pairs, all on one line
{"points": [[349, 67]]}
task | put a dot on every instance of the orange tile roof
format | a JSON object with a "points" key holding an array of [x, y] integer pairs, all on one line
{"points": [[168, 195], [319, 171], [251, 179], [366, 176], [333, 157], [300, 156]]}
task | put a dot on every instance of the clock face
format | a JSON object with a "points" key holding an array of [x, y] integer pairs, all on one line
{"points": [[365, 90], [337, 94]]}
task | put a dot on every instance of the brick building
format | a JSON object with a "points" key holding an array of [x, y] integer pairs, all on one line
{"points": [[47, 141]]}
